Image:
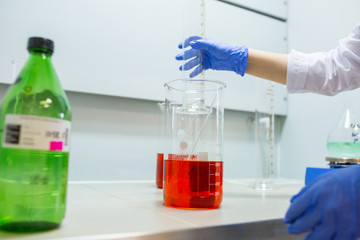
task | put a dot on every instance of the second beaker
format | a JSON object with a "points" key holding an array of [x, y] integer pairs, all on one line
{"points": [[194, 165]]}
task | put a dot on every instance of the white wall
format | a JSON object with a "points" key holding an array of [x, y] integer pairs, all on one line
{"points": [[116, 138], [314, 26], [127, 43]]}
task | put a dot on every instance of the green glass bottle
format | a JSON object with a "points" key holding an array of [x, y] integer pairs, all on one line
{"points": [[34, 135]]}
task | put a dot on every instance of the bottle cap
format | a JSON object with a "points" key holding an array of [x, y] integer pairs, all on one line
{"points": [[40, 43]]}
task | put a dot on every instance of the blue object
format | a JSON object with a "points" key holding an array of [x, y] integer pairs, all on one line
{"points": [[328, 207], [312, 173], [206, 54]]}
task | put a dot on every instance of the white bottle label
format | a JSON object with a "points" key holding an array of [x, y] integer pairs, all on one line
{"points": [[36, 133]]}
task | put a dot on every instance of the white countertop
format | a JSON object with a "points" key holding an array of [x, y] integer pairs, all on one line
{"points": [[120, 209]]}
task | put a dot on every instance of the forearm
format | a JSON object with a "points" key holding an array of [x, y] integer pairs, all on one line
{"points": [[271, 66]]}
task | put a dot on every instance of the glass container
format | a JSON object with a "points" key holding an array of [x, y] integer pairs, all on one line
{"points": [[344, 138], [194, 163], [35, 119]]}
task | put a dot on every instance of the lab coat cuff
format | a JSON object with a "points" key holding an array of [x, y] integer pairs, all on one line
{"points": [[297, 70]]}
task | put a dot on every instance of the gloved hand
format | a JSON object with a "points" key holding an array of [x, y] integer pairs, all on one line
{"points": [[207, 53], [329, 206]]}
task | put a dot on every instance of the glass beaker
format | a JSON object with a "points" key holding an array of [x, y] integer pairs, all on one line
{"points": [[265, 136], [162, 146], [194, 165]]}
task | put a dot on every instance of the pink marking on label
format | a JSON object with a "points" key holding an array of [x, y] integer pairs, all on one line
{"points": [[56, 146]]}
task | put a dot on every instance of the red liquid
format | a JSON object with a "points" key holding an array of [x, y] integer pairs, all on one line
{"points": [[159, 170], [193, 184]]}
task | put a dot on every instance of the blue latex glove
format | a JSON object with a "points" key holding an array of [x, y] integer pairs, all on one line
{"points": [[209, 54], [329, 206]]}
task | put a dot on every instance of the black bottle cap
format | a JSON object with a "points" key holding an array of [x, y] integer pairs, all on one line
{"points": [[40, 42]]}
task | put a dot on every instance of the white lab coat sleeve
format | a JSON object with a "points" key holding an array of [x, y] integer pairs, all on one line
{"points": [[326, 73]]}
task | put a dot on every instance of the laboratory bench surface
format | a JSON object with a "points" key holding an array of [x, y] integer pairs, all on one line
{"points": [[97, 210]]}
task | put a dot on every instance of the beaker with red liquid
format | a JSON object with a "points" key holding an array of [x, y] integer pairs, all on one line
{"points": [[159, 170], [162, 147], [193, 176]]}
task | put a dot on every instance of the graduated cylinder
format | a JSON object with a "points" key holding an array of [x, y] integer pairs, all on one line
{"points": [[194, 163]]}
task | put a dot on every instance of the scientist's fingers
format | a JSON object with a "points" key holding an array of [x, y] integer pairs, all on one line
{"points": [[202, 44], [307, 221], [298, 207], [188, 54], [302, 191], [308, 187], [187, 41], [190, 64], [313, 186], [197, 71]]}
